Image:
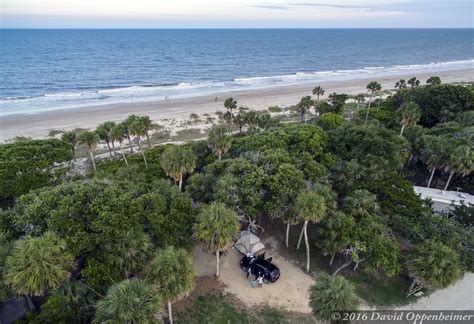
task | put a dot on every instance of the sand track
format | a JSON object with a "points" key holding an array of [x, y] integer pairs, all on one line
{"points": [[289, 293]]}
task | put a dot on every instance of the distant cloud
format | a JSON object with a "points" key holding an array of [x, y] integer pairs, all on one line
{"points": [[367, 7], [276, 7]]}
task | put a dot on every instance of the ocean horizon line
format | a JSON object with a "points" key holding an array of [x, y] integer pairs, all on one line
{"points": [[237, 28]]}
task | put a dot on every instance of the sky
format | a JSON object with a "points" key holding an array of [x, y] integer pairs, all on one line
{"points": [[236, 14]]}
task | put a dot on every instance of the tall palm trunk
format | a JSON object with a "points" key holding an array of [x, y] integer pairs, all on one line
{"points": [[130, 143], [141, 151], [123, 153], [449, 180], [180, 185], [92, 160], [300, 238], [431, 177], [108, 146], [148, 139], [368, 107], [403, 128], [332, 259], [170, 313], [74, 153], [217, 264], [219, 155], [113, 147], [287, 233], [307, 245]]}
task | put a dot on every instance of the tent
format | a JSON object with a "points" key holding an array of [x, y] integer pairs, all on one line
{"points": [[248, 243]]}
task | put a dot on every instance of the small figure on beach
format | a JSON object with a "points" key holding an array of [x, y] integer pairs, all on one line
{"points": [[260, 280], [215, 99]]}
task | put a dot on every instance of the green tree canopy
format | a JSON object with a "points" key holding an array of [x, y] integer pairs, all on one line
{"points": [[104, 131], [217, 227], [37, 264], [409, 114], [172, 271], [434, 265], [433, 100], [219, 140], [330, 120], [177, 161], [90, 139], [130, 301], [334, 233], [30, 164], [331, 294], [309, 207], [376, 149]]}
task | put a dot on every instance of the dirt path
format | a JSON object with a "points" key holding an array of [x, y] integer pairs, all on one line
{"points": [[459, 296], [289, 293]]}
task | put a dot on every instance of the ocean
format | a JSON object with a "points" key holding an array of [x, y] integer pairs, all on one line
{"points": [[43, 70]]}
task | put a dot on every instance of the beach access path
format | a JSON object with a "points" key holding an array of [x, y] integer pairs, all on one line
{"points": [[39, 125]]}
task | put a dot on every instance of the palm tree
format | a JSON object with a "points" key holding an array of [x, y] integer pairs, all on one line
{"points": [[217, 227], [414, 82], [304, 106], [335, 233], [173, 273], [103, 130], [433, 80], [309, 206], [71, 138], [72, 302], [129, 301], [230, 104], [90, 139], [130, 252], [460, 160], [318, 92], [138, 128], [127, 122], [37, 264], [176, 161], [400, 84], [251, 117], [219, 141], [361, 202], [239, 119], [331, 294], [433, 153], [118, 133], [359, 98], [147, 124], [372, 87], [434, 265], [410, 113]]}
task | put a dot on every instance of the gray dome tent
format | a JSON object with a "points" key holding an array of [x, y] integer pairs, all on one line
{"points": [[249, 243]]}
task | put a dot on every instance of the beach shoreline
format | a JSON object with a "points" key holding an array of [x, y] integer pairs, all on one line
{"points": [[39, 125]]}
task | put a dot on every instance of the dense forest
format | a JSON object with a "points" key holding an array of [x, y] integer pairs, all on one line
{"points": [[115, 244]]}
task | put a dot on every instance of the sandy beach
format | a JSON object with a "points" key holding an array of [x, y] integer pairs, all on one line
{"points": [[39, 125]]}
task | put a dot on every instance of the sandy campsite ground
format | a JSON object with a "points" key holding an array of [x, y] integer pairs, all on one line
{"points": [[290, 292], [39, 125]]}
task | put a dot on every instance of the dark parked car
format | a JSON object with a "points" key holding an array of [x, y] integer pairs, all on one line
{"points": [[260, 265]]}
